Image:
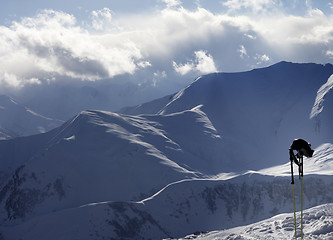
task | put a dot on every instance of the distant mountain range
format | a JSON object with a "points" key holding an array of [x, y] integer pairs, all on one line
{"points": [[211, 157], [18, 120]]}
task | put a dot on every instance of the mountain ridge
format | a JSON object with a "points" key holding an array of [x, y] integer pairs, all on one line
{"points": [[273, 103], [215, 157], [73, 164]]}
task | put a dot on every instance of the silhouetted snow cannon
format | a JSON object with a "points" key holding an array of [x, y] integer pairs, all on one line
{"points": [[303, 148]]}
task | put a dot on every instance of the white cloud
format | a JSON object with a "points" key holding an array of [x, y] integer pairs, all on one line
{"points": [[7, 79], [144, 64], [159, 74], [172, 3], [53, 43], [297, 38], [254, 5], [183, 69], [329, 53], [203, 63], [101, 18], [261, 58], [242, 51], [34, 81], [249, 36]]}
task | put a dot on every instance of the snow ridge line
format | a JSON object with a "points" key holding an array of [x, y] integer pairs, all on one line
{"points": [[321, 93]]}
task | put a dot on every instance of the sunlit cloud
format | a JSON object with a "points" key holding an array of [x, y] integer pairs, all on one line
{"points": [[183, 69], [242, 51], [53, 43], [254, 5], [329, 53], [101, 18], [203, 63], [261, 58], [158, 76], [172, 3], [173, 40]]}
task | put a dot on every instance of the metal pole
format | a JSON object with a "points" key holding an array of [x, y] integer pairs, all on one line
{"points": [[294, 211], [291, 154], [301, 165]]}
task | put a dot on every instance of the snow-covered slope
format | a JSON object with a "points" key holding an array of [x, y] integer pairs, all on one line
{"points": [[229, 201], [18, 120], [215, 157], [181, 208], [258, 113], [321, 163], [318, 224], [102, 156]]}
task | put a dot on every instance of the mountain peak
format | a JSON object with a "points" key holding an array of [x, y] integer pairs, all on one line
{"points": [[272, 103], [169, 174]]}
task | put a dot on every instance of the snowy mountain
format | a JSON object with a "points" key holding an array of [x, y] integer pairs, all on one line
{"points": [[183, 207], [101, 156], [258, 113], [211, 157], [18, 120]]}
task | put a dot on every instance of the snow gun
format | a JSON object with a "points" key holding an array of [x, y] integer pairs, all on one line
{"points": [[302, 148]]}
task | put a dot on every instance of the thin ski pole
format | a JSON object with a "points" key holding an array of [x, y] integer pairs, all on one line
{"points": [[302, 207], [292, 171], [303, 149], [294, 211], [292, 183]]}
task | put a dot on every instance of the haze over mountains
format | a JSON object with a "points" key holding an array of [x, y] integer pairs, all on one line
{"points": [[18, 120], [179, 167]]}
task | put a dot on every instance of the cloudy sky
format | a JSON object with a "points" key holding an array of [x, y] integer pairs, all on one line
{"points": [[162, 43]]}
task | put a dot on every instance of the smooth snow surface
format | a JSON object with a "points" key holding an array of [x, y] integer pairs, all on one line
{"points": [[318, 224], [321, 163]]}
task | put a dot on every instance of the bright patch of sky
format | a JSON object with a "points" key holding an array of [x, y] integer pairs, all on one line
{"points": [[156, 40]]}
